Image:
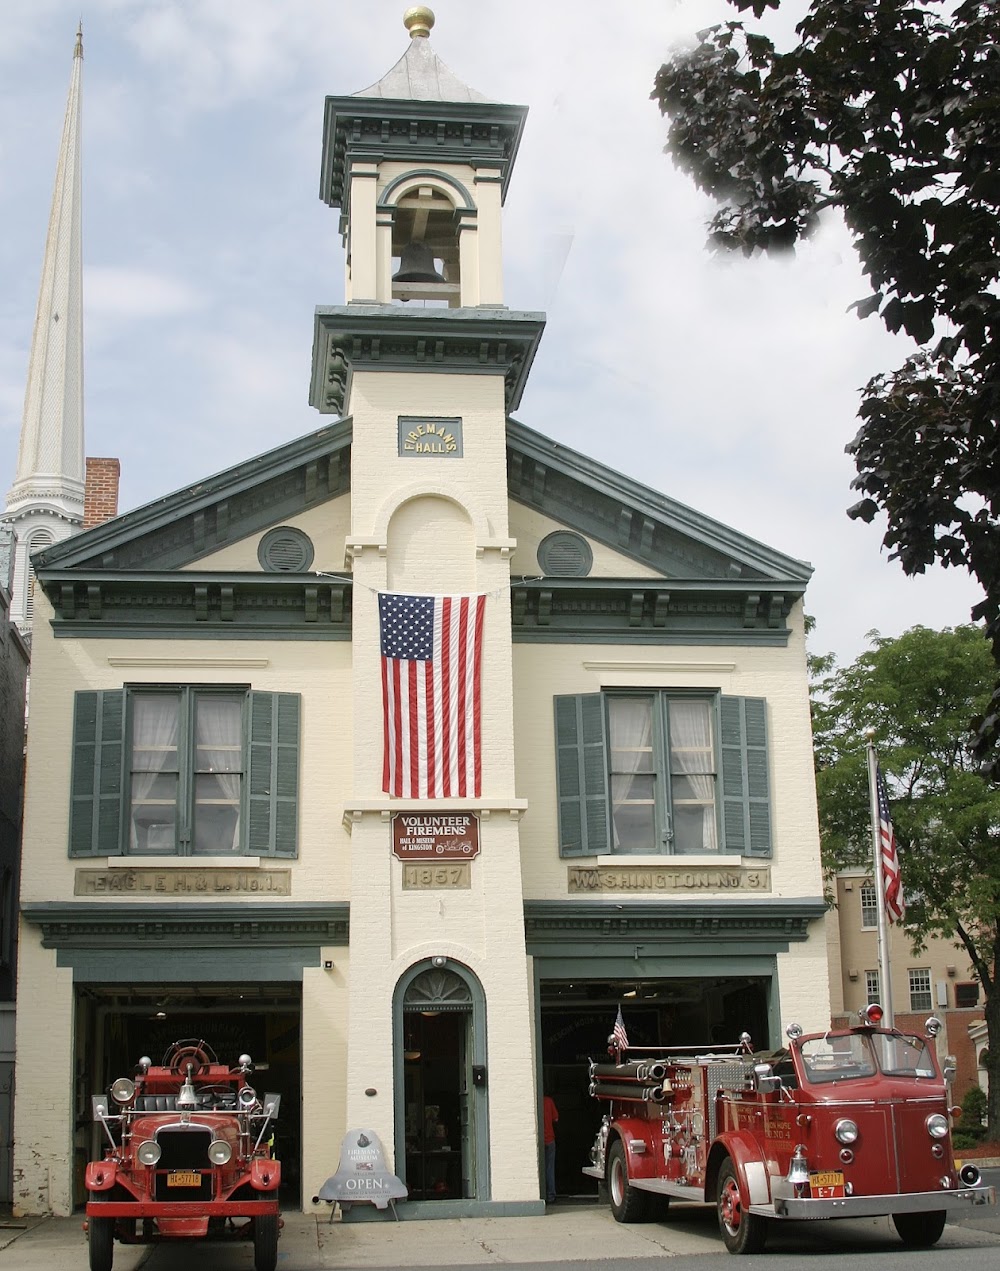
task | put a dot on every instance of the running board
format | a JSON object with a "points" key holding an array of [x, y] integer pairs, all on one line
{"points": [[661, 1187]]}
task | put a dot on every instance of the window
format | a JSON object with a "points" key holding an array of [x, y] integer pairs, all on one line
{"points": [[967, 994], [662, 773], [920, 989], [869, 906], [871, 987], [185, 770]]}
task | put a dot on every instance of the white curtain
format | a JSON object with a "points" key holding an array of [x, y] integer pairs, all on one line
{"points": [[219, 764], [154, 753], [692, 769], [630, 722]]}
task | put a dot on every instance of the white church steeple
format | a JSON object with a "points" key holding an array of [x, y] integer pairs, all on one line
{"points": [[45, 503]]}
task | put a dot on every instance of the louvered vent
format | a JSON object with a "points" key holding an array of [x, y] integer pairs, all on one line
{"points": [[564, 554], [285, 550]]}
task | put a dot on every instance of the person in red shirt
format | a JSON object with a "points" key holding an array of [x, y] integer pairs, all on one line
{"points": [[550, 1115]]}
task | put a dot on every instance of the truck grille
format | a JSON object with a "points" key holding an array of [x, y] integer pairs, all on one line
{"points": [[183, 1150]]}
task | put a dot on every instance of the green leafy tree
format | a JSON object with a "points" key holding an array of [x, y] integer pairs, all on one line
{"points": [[913, 696], [888, 110]]}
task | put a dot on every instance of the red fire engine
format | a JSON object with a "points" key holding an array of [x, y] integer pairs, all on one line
{"points": [[188, 1155], [844, 1124]]}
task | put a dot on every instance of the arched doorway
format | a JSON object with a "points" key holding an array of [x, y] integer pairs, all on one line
{"points": [[442, 1141]]}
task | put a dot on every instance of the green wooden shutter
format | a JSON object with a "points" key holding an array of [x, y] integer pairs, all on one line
{"points": [[582, 776], [746, 800], [273, 798], [96, 783]]}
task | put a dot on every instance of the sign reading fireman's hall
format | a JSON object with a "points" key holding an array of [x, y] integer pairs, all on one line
{"points": [[424, 436], [435, 836]]}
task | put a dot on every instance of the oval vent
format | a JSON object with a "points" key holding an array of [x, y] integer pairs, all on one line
{"points": [[563, 554], [285, 550]]}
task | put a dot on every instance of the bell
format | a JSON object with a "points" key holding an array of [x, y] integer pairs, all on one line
{"points": [[416, 264], [798, 1168]]}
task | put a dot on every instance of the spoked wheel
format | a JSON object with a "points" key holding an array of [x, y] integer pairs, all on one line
{"points": [[627, 1204], [920, 1231], [265, 1242], [101, 1243], [192, 1050], [742, 1231]]}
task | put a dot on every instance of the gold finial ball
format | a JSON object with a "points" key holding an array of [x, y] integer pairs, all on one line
{"points": [[418, 21]]}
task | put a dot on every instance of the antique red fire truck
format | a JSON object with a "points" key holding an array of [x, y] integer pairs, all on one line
{"points": [[844, 1124], [188, 1155]]}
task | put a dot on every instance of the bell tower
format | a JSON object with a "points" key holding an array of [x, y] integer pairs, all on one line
{"points": [[427, 362]]}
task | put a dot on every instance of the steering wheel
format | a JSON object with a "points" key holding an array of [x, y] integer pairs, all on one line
{"points": [[191, 1050]]}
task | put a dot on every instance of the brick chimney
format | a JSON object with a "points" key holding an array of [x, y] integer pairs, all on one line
{"points": [[100, 492]]}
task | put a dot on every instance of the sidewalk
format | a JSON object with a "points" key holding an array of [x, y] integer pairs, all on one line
{"points": [[570, 1232], [566, 1232]]}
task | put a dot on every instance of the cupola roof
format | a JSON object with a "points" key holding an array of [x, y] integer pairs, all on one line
{"points": [[420, 75]]}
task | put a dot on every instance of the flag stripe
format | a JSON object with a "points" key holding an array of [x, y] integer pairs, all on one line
{"points": [[895, 906]]}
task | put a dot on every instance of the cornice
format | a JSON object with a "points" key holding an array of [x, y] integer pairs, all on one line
{"points": [[186, 924], [630, 517], [387, 338], [375, 129], [196, 605], [550, 923], [652, 611], [203, 518]]}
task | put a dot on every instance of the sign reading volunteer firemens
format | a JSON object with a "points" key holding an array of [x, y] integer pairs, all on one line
{"points": [[422, 836]]}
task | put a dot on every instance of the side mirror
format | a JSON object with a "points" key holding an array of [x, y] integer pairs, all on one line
{"points": [[767, 1082]]}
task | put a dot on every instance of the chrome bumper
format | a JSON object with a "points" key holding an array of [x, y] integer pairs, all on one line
{"points": [[875, 1206]]}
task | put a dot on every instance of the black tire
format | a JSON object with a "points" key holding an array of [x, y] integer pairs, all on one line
{"points": [[920, 1231], [101, 1243], [265, 1242], [627, 1204], [741, 1231]]}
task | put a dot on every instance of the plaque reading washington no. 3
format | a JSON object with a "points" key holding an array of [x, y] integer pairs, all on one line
{"points": [[435, 836]]}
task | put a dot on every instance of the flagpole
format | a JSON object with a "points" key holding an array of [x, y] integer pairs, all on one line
{"points": [[885, 983]]}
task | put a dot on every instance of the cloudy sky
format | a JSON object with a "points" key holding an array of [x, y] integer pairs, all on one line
{"points": [[729, 385]]}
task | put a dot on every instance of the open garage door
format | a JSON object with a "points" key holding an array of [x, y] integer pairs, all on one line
{"points": [[577, 1016], [115, 1026]]}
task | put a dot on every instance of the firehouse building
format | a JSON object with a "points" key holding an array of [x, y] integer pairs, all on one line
{"points": [[209, 847]]}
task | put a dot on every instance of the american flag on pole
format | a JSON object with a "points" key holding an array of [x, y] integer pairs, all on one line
{"points": [[618, 1033], [895, 907], [432, 651]]}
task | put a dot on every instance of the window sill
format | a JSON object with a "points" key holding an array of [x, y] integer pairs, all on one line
{"points": [[183, 862]]}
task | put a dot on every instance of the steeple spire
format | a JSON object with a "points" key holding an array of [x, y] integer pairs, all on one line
{"points": [[45, 502]]}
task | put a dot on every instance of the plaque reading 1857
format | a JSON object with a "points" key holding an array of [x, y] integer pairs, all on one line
{"points": [[435, 836]]}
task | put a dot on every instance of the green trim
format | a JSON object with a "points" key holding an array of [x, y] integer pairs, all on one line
{"points": [[651, 611], [376, 129], [434, 174], [423, 1210], [391, 338], [179, 603], [176, 926], [222, 509], [194, 965], [554, 927], [638, 521]]}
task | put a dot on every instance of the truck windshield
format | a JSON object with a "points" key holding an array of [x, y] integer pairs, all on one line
{"points": [[841, 1057]]}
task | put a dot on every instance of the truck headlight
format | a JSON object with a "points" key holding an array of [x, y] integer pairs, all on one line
{"points": [[846, 1131], [220, 1152], [123, 1090], [937, 1126], [148, 1152]]}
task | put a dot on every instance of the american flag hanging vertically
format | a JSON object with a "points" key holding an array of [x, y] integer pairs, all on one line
{"points": [[895, 907], [432, 648]]}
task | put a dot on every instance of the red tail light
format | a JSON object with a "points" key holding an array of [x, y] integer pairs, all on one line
{"points": [[871, 1014]]}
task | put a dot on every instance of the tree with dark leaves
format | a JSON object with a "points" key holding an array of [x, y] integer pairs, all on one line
{"points": [[912, 695], [888, 110]]}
